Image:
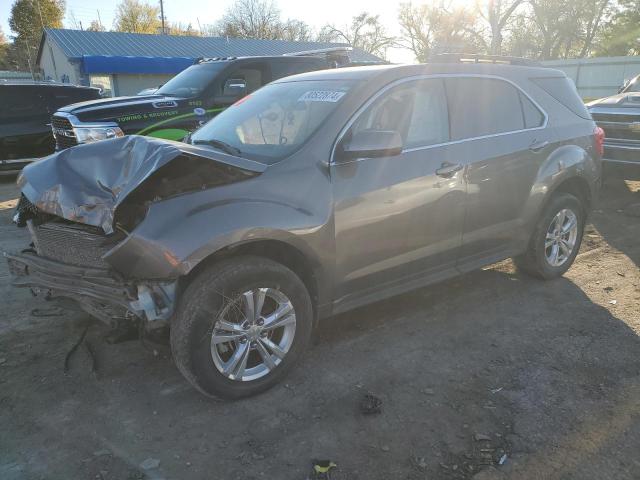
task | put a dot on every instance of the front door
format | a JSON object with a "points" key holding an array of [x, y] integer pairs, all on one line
{"points": [[398, 219]]}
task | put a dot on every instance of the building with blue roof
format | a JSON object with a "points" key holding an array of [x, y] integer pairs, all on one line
{"points": [[125, 63]]}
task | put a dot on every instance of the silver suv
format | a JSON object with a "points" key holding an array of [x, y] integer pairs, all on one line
{"points": [[314, 195]]}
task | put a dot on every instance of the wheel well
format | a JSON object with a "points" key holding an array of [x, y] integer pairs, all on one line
{"points": [[275, 250], [579, 188]]}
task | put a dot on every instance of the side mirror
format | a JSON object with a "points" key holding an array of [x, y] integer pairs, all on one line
{"points": [[234, 87], [372, 144]]}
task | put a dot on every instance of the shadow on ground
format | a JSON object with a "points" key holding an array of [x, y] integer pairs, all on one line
{"points": [[490, 364]]}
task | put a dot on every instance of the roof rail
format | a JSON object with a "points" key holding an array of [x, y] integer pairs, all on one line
{"points": [[319, 51], [479, 58]]}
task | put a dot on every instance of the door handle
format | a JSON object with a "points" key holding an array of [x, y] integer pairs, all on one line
{"points": [[448, 170], [536, 146]]}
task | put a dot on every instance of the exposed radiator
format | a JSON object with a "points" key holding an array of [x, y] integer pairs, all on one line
{"points": [[71, 243]]}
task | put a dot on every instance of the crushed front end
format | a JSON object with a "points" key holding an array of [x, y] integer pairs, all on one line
{"points": [[85, 208], [67, 259]]}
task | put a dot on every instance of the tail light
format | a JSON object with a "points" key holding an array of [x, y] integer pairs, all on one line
{"points": [[598, 140]]}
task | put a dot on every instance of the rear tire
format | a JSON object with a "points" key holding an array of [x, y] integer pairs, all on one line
{"points": [[556, 239], [225, 339]]}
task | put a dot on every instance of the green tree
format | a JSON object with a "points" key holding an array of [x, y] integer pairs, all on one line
{"points": [[137, 17], [621, 34], [28, 19], [4, 51]]}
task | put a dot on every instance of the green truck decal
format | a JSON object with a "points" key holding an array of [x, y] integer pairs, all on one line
{"points": [[172, 133]]}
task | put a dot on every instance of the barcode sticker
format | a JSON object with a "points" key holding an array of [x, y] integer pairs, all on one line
{"points": [[321, 96]]}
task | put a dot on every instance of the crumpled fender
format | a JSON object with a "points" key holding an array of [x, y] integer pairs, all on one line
{"points": [[87, 183]]}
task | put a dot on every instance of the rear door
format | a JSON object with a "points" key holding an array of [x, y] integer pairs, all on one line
{"points": [[500, 133], [396, 220]]}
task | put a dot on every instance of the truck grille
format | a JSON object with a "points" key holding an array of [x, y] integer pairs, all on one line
{"points": [[63, 132], [74, 244]]}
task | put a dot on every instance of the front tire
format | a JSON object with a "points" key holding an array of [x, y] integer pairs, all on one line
{"points": [[556, 239], [240, 326]]}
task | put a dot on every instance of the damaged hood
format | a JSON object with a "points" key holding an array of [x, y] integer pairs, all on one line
{"points": [[85, 184]]}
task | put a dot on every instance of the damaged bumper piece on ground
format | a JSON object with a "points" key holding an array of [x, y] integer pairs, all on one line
{"points": [[83, 204]]}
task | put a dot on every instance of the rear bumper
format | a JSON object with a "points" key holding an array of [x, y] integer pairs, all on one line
{"points": [[97, 290]]}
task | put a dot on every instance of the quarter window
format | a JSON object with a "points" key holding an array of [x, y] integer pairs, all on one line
{"points": [[483, 106], [533, 117]]}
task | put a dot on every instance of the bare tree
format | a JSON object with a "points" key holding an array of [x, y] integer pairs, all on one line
{"points": [[437, 27], [296, 30], [96, 26], [251, 19], [365, 32], [497, 14]]}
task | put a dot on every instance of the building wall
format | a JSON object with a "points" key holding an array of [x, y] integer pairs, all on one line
{"points": [[126, 84], [56, 66], [598, 77]]}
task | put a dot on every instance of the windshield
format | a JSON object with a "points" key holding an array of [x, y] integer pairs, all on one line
{"points": [[192, 81], [273, 122]]}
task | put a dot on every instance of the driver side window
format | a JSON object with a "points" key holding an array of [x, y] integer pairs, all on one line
{"points": [[417, 110]]}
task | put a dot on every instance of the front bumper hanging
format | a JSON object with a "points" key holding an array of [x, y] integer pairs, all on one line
{"points": [[97, 290]]}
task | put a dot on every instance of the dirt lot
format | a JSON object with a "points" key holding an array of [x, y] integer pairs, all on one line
{"points": [[488, 365]]}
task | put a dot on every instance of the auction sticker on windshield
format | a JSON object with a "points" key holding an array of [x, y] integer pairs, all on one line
{"points": [[321, 96]]}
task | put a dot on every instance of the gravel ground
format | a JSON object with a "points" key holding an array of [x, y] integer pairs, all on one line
{"points": [[491, 367]]}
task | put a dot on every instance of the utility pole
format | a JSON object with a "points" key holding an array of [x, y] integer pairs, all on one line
{"points": [[162, 16], [99, 19]]}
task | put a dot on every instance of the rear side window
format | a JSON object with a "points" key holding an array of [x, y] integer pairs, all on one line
{"points": [[533, 117], [564, 91], [483, 106]]}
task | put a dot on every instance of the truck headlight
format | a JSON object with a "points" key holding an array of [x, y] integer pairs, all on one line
{"points": [[95, 134]]}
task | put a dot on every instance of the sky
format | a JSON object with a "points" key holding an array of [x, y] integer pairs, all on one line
{"points": [[316, 14]]}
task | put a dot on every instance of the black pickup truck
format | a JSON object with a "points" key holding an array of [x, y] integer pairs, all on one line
{"points": [[187, 101], [25, 113], [619, 117]]}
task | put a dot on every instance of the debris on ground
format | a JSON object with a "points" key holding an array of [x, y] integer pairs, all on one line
{"points": [[371, 404], [480, 437], [81, 341], [385, 448], [322, 469], [608, 289], [419, 462], [428, 391], [150, 464], [613, 302], [47, 312]]}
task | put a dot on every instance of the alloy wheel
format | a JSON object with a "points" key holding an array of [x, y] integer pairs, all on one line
{"points": [[561, 237], [253, 333]]}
